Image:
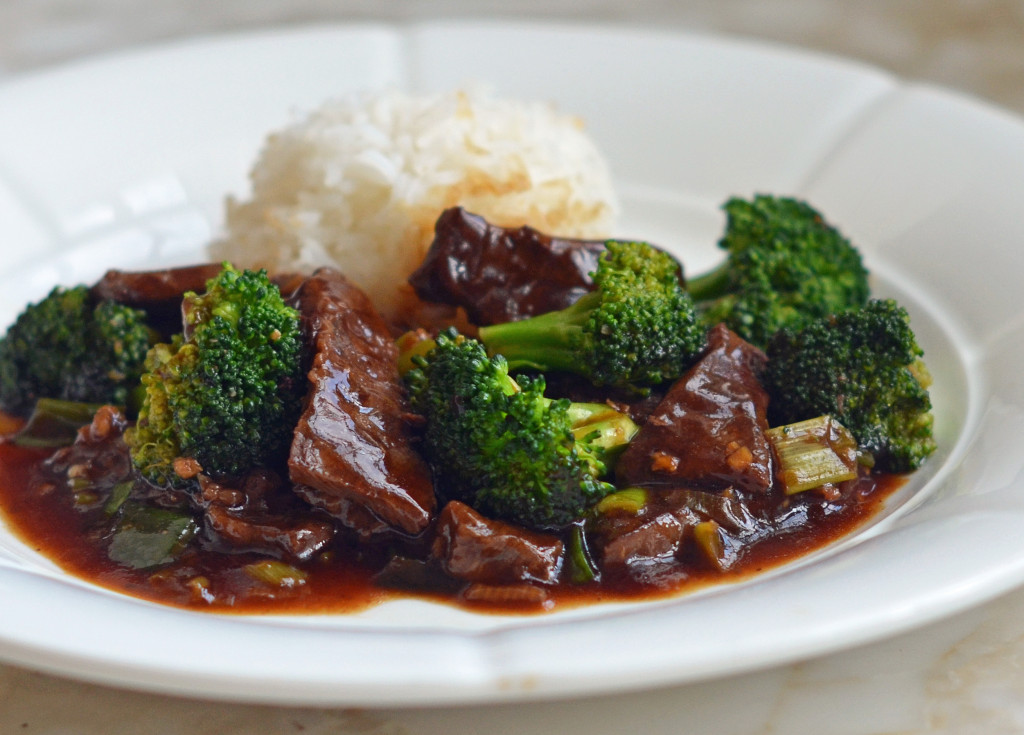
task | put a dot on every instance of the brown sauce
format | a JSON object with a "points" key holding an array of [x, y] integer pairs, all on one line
{"points": [[343, 578], [355, 516]]}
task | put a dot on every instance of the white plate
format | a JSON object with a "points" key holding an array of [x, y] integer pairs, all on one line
{"points": [[125, 161]]}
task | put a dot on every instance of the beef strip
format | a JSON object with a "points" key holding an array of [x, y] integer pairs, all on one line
{"points": [[500, 275], [709, 430], [353, 443], [143, 289], [643, 548], [98, 455], [478, 549], [354, 516], [157, 292], [646, 546], [506, 595], [251, 516]]}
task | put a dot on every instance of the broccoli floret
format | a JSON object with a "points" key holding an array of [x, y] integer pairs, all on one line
{"points": [[636, 329], [69, 347], [785, 265], [226, 392], [502, 446], [864, 368]]}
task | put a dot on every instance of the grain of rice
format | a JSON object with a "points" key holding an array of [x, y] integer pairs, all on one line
{"points": [[359, 183]]}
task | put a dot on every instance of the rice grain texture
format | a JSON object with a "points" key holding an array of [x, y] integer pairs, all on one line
{"points": [[359, 183]]}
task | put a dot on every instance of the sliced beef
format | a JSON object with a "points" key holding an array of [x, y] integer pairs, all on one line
{"points": [[647, 545], [478, 549], [353, 443], [353, 515], [146, 288], [256, 516], [98, 456], [157, 292], [506, 595], [709, 430], [500, 275]]}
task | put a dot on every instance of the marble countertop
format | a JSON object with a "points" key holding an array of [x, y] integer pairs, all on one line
{"points": [[962, 675]]}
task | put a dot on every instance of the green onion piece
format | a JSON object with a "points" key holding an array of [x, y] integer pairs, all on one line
{"points": [[118, 494], [276, 573], [627, 502], [582, 569], [708, 535], [602, 426], [813, 453], [55, 423], [146, 536]]}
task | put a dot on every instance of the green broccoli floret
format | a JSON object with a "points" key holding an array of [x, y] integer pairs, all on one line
{"points": [[785, 266], [864, 368], [502, 446], [226, 392], [71, 348], [637, 328]]}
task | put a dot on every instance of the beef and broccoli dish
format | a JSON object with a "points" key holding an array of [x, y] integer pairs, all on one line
{"points": [[570, 421]]}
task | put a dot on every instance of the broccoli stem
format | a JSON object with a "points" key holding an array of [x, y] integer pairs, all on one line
{"points": [[55, 423], [544, 342], [581, 567], [711, 285], [628, 501]]}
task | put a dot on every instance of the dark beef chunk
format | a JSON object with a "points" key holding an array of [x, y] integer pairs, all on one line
{"points": [[644, 548], [353, 443], [709, 430], [352, 514], [256, 516], [648, 545], [500, 275], [478, 549], [145, 288], [158, 292], [98, 455], [506, 595]]}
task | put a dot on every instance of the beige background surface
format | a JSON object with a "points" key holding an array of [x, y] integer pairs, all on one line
{"points": [[961, 676], [973, 45]]}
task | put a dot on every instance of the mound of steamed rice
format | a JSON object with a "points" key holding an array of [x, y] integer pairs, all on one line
{"points": [[360, 182]]}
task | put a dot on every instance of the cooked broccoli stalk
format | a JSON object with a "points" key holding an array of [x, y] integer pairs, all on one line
{"points": [[813, 453], [637, 328], [71, 348], [54, 423], [581, 566], [863, 367], [502, 446], [226, 392], [785, 265], [627, 501]]}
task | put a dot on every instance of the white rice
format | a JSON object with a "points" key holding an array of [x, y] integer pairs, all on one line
{"points": [[360, 182]]}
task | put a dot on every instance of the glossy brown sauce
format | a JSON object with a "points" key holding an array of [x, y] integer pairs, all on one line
{"points": [[343, 578]]}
